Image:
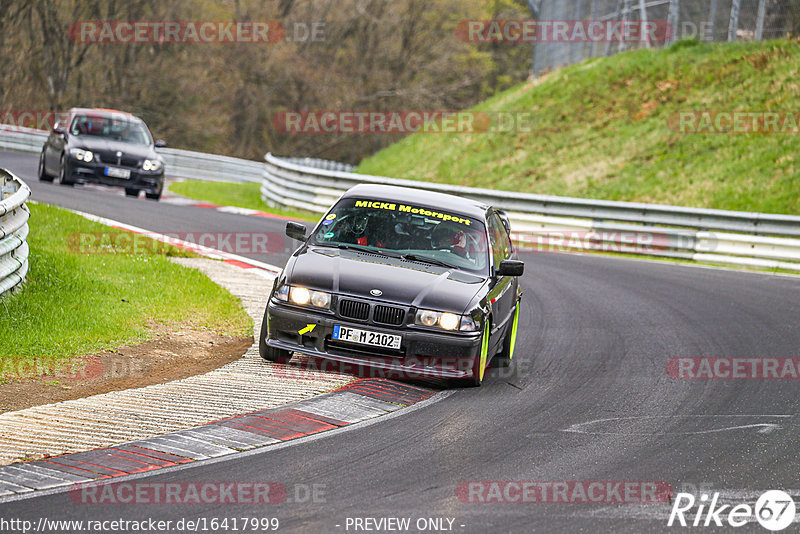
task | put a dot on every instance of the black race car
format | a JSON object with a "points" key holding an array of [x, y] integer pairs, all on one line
{"points": [[402, 282], [103, 146]]}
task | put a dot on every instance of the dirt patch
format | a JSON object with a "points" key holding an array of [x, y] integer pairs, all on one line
{"points": [[171, 356]]}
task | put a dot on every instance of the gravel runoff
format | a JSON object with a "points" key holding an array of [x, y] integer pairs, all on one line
{"points": [[245, 385]]}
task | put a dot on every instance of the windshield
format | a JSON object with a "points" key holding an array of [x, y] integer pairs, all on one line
{"points": [[421, 233], [116, 128]]}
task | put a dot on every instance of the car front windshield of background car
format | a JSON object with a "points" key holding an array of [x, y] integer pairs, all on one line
{"points": [[116, 129], [397, 228]]}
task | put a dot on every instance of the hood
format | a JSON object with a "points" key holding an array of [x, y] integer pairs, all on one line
{"points": [[354, 273], [110, 146]]}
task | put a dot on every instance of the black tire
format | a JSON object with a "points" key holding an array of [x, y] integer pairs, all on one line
{"points": [[481, 361], [153, 196], [503, 358], [63, 172], [43, 176], [131, 192], [270, 353]]}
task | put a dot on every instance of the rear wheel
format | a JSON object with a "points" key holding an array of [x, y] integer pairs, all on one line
{"points": [[270, 353], [63, 173], [479, 367], [130, 192], [503, 359], [153, 196], [43, 176]]}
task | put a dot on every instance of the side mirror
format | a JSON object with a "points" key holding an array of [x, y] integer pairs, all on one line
{"points": [[59, 129], [161, 143], [296, 231], [510, 268]]}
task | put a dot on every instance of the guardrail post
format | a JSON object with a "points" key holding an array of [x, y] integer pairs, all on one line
{"points": [[712, 21], [643, 20], [734, 24], [673, 19], [762, 9]]}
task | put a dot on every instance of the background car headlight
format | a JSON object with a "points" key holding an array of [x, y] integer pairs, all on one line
{"points": [[81, 154], [443, 320], [305, 297], [151, 165]]}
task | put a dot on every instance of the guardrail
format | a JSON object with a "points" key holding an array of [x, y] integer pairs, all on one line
{"points": [[14, 215], [550, 223], [540, 222], [179, 163]]}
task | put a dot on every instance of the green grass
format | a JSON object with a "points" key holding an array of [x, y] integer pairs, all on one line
{"points": [[246, 195], [601, 131], [77, 304]]}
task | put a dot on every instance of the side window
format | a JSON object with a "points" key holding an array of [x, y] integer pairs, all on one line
{"points": [[501, 243]]}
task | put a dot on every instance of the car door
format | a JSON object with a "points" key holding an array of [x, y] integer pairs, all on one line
{"points": [[503, 294], [54, 146]]}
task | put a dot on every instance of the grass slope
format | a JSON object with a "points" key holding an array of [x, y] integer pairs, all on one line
{"points": [[601, 131], [76, 304]]}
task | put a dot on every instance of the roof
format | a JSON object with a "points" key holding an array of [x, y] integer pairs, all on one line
{"points": [[103, 112], [464, 206]]}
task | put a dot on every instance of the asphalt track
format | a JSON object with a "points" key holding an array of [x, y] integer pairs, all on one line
{"points": [[595, 337]]}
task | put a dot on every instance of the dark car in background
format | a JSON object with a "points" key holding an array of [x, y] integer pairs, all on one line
{"points": [[104, 146], [402, 282]]}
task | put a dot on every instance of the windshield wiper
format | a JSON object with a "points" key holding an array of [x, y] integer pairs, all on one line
{"points": [[378, 251], [426, 259]]}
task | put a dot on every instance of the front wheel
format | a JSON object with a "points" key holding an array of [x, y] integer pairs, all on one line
{"points": [[63, 173], [270, 353], [43, 176], [479, 367], [153, 196]]}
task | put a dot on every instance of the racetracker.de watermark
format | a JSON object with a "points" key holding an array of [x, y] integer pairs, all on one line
{"points": [[403, 122], [723, 368], [564, 31], [564, 492], [178, 493], [734, 122], [194, 32], [37, 119], [412, 368], [107, 367], [613, 241], [120, 242]]}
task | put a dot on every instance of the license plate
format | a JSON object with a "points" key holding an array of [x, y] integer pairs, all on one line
{"points": [[115, 172], [365, 337]]}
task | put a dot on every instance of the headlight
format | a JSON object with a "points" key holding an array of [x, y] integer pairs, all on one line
{"points": [[283, 293], [81, 154], [445, 320], [300, 295], [305, 297], [151, 165], [468, 324]]}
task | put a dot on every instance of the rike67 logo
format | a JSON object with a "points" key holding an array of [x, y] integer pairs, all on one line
{"points": [[774, 510]]}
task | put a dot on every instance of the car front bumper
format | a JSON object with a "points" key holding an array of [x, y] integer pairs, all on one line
{"points": [[422, 354], [151, 182]]}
